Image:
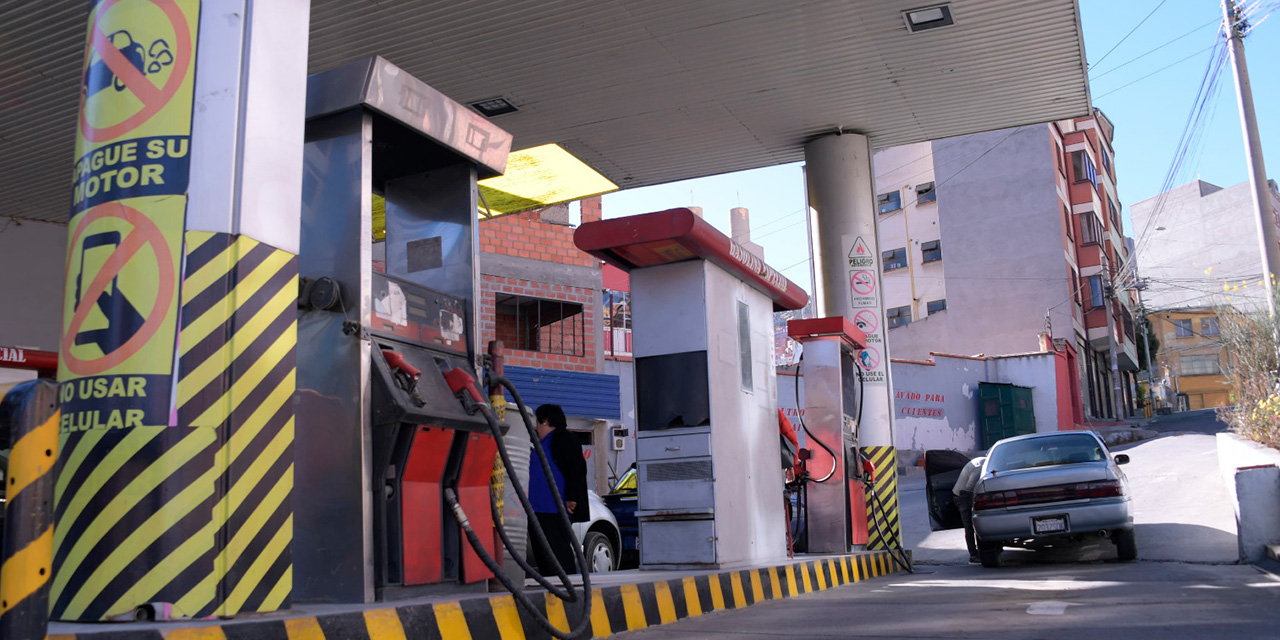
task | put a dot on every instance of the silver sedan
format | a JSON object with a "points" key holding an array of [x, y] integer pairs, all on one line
{"points": [[1050, 486]]}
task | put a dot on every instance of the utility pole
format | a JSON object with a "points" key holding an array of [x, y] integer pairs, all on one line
{"points": [[1146, 345], [1236, 25]]}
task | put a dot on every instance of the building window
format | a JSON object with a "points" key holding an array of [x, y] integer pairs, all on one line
{"points": [[937, 305], [1090, 229], [1206, 365], [899, 316], [1082, 166], [1075, 290], [617, 323], [1115, 213], [545, 326], [931, 251], [1182, 329], [887, 202], [925, 193], [1208, 326], [894, 259], [1095, 292], [1066, 220]]}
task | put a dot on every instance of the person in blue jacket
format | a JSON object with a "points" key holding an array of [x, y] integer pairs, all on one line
{"points": [[569, 471]]}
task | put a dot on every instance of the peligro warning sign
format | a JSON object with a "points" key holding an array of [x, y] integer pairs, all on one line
{"points": [[128, 211]]}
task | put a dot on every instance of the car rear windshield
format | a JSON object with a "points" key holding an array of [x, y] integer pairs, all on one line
{"points": [[1043, 452]]}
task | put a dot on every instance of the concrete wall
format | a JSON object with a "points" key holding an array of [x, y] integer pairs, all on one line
{"points": [[1255, 492], [935, 402], [626, 372], [33, 264], [1205, 227], [1001, 227]]}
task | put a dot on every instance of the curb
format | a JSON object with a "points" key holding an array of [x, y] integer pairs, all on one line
{"points": [[614, 609]]}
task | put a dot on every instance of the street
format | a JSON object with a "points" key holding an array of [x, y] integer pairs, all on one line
{"points": [[1186, 583]]}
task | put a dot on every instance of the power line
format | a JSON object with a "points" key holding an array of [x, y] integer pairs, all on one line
{"points": [[1126, 36], [1132, 60], [1164, 68]]}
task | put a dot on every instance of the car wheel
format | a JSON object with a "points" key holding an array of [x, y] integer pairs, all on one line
{"points": [[989, 554], [1126, 544], [598, 552]]}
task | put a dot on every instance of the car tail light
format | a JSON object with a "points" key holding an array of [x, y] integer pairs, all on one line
{"points": [[1043, 495]]}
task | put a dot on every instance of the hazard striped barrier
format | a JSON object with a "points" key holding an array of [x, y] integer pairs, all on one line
{"points": [[194, 521], [30, 414], [614, 609], [886, 532]]}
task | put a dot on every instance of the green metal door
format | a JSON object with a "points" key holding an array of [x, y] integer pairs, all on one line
{"points": [[1006, 411]]}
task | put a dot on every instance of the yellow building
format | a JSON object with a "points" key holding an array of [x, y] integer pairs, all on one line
{"points": [[1192, 358]]}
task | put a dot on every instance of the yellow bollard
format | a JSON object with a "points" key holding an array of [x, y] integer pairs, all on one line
{"points": [[29, 413]]}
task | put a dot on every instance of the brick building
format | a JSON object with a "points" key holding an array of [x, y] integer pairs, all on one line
{"points": [[543, 298]]}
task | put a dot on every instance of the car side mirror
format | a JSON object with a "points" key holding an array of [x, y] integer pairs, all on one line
{"points": [[1121, 458]]}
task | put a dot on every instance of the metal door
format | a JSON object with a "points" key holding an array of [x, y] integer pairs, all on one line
{"points": [[1006, 411]]}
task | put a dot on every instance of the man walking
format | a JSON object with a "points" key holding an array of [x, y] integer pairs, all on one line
{"points": [[970, 474]]}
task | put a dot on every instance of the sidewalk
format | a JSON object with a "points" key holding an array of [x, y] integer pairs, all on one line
{"points": [[621, 601]]}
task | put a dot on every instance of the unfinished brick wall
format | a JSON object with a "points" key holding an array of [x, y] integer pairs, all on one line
{"points": [[527, 235], [493, 326]]}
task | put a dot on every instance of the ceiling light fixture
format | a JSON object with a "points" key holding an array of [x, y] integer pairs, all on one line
{"points": [[928, 18], [493, 107]]}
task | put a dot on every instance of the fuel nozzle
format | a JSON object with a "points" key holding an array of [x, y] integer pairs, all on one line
{"points": [[463, 386], [406, 375]]}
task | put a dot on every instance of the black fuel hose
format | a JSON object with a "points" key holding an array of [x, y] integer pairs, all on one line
{"points": [[569, 594], [877, 506], [835, 464]]}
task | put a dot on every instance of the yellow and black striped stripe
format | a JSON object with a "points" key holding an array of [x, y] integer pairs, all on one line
{"points": [[195, 517], [613, 609], [884, 533], [31, 413]]}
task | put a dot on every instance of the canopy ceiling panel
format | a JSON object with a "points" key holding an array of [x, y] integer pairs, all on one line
{"points": [[643, 91]]}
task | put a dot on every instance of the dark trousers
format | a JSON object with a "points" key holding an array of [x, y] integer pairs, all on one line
{"points": [[558, 538], [964, 502]]}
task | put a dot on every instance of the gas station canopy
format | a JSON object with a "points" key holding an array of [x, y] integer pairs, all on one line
{"points": [[643, 92]]}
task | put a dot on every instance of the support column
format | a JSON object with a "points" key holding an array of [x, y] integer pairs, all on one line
{"points": [[847, 257], [848, 283], [179, 328]]}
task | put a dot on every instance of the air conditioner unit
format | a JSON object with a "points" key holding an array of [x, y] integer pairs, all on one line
{"points": [[620, 439]]}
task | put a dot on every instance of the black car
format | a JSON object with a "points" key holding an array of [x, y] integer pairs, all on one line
{"points": [[622, 501]]}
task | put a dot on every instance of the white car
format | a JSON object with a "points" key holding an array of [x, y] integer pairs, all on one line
{"points": [[599, 536]]}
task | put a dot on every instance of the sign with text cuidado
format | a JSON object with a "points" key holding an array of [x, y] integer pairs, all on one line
{"points": [[129, 195]]}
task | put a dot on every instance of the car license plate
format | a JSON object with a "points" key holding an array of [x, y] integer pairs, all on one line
{"points": [[1053, 524]]}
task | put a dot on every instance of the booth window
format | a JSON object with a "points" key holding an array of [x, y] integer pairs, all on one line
{"points": [[898, 316], [894, 258], [937, 305], [925, 193], [534, 324], [887, 202], [931, 251], [744, 345]]}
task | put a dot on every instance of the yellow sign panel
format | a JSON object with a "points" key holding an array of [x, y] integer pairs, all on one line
{"points": [[541, 176], [120, 307]]}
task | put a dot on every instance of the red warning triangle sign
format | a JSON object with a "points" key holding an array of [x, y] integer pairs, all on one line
{"points": [[860, 249]]}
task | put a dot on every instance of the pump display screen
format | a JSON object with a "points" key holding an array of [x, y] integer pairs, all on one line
{"points": [[418, 314], [849, 384]]}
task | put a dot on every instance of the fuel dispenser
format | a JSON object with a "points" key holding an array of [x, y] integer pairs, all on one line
{"points": [[707, 446], [833, 500], [382, 352]]}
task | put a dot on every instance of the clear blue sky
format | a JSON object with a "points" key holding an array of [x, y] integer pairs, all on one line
{"points": [[1149, 115]]}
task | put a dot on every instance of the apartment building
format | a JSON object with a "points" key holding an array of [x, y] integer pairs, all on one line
{"points": [[1191, 358], [989, 240]]}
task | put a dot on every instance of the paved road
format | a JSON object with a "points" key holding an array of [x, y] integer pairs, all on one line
{"points": [[1201, 421], [1186, 583]]}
